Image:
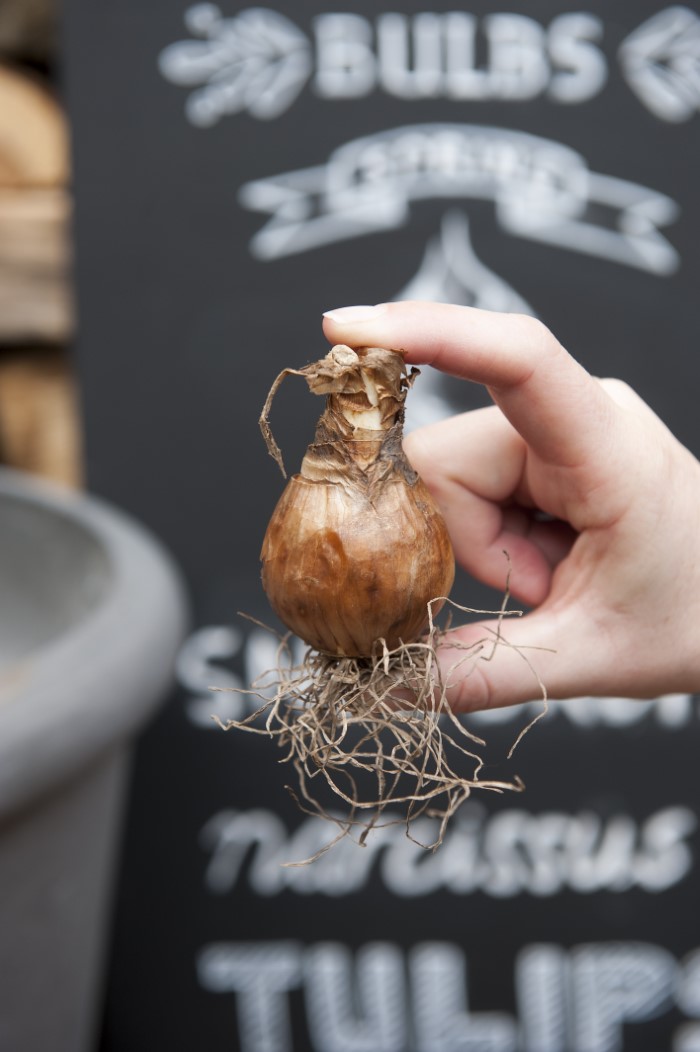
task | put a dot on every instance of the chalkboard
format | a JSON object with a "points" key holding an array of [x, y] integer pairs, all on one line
{"points": [[237, 171]]}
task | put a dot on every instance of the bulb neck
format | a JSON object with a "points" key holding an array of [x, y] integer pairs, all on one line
{"points": [[360, 431], [359, 434], [362, 423]]}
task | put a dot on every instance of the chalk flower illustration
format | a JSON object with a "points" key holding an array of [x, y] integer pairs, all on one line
{"points": [[257, 61]]}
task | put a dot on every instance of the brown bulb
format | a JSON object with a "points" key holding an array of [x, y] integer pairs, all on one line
{"points": [[356, 547]]}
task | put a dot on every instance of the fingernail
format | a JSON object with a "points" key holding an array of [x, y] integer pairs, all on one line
{"points": [[363, 312]]}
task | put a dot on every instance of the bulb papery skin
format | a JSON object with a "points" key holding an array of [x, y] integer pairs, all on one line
{"points": [[357, 547], [343, 572]]}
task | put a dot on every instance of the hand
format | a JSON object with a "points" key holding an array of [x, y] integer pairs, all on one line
{"points": [[595, 501]]}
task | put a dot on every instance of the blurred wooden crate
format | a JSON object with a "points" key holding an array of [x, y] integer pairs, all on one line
{"points": [[39, 429], [29, 30], [35, 299], [38, 419], [35, 280]]}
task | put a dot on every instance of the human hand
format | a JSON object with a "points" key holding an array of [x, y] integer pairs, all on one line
{"points": [[612, 568]]}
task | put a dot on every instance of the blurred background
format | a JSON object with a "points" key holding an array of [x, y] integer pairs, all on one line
{"points": [[184, 188]]}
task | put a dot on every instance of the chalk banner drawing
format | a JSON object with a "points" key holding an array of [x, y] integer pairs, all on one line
{"points": [[541, 189]]}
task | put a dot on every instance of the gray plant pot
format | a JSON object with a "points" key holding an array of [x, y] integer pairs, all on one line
{"points": [[92, 612]]}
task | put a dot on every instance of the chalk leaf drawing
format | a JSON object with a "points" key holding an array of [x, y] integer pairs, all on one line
{"points": [[256, 61], [661, 62]]}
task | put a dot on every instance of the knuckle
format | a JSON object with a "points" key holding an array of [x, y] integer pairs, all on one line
{"points": [[620, 391], [535, 330], [539, 340]]}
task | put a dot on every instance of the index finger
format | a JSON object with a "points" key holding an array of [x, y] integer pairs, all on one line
{"points": [[560, 410]]}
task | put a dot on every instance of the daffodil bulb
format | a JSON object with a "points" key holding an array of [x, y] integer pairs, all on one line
{"points": [[356, 547]]}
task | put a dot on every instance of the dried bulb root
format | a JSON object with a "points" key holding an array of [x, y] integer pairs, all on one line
{"points": [[344, 725]]}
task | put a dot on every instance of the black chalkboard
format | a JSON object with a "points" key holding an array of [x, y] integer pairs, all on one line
{"points": [[237, 171]]}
